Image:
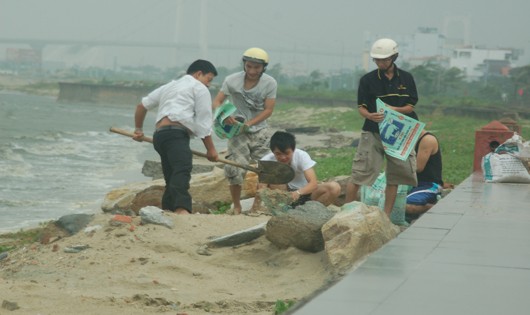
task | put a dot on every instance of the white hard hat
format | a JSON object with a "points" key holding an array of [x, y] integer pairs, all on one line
{"points": [[384, 48]]}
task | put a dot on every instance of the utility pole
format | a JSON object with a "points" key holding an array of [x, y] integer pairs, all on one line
{"points": [[204, 30]]}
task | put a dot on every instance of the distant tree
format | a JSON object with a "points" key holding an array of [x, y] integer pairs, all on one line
{"points": [[521, 84], [451, 82], [275, 71], [434, 80], [316, 82], [427, 78]]}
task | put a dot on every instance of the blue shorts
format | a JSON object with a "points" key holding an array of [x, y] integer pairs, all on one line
{"points": [[424, 193]]}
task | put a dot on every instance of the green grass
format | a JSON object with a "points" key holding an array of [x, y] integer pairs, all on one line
{"points": [[222, 207], [334, 162], [14, 240], [455, 133], [282, 306]]}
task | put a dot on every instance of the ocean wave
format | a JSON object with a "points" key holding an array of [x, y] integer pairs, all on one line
{"points": [[7, 154], [60, 147], [18, 203]]}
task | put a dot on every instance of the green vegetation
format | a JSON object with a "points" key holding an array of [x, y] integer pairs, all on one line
{"points": [[282, 306], [221, 207], [13, 240]]}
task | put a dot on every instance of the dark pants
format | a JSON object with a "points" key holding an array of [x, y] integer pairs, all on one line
{"points": [[173, 146]]}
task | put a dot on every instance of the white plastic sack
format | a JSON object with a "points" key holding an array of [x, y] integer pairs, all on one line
{"points": [[503, 168], [503, 165]]}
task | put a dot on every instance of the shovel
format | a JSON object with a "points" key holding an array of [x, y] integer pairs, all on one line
{"points": [[269, 172]]}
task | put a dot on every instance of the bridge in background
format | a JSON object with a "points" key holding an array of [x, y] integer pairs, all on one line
{"points": [[38, 46]]}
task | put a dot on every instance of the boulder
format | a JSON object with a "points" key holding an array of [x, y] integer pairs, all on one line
{"points": [[205, 189], [299, 227], [65, 226], [152, 169], [356, 231], [273, 200]]}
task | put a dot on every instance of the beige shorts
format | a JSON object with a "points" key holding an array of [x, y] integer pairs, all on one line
{"points": [[242, 149], [368, 163]]}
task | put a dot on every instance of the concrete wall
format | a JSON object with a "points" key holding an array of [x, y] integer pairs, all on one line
{"points": [[114, 94], [100, 93]]}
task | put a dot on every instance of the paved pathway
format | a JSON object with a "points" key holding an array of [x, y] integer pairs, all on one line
{"points": [[470, 254]]}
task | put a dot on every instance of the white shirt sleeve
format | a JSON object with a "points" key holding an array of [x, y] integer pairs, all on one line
{"points": [[203, 117]]}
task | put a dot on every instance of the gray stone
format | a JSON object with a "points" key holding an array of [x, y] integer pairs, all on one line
{"points": [[152, 169], [239, 237], [155, 215], [76, 248], [299, 227], [73, 223]]}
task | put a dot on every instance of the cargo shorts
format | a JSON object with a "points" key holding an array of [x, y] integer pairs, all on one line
{"points": [[243, 149], [369, 159], [425, 193]]}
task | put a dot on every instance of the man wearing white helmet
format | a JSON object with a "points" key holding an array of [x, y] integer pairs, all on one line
{"points": [[397, 89], [253, 92]]}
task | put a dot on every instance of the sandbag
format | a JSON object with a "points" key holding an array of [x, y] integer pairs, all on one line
{"points": [[506, 163], [503, 168], [375, 196]]}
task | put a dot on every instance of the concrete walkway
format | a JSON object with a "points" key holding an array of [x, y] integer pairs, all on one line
{"points": [[470, 254]]}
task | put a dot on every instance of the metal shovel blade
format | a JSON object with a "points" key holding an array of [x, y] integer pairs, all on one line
{"points": [[275, 173]]}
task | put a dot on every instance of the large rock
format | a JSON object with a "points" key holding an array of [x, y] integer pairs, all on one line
{"points": [[355, 232], [273, 200], [134, 196], [205, 188], [299, 227]]}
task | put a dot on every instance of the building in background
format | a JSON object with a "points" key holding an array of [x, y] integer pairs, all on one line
{"points": [[479, 62], [428, 45]]}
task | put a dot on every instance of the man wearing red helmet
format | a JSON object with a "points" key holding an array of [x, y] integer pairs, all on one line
{"points": [[253, 92], [397, 89]]}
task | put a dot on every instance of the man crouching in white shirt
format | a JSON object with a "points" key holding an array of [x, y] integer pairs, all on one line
{"points": [[304, 186]]}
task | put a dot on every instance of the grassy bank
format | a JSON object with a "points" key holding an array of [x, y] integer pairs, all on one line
{"points": [[455, 133]]}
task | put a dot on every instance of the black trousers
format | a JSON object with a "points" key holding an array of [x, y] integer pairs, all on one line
{"points": [[173, 146]]}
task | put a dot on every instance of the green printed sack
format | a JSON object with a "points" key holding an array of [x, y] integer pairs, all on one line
{"points": [[375, 196]]}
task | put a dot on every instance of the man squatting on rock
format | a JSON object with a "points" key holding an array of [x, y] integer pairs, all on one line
{"points": [[304, 186]]}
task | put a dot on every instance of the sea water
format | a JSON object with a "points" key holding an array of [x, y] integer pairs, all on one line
{"points": [[60, 158]]}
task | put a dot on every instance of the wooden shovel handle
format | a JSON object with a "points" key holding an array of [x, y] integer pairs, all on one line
{"points": [[149, 139]]}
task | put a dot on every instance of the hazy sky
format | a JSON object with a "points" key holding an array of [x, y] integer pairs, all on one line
{"points": [[306, 33]]}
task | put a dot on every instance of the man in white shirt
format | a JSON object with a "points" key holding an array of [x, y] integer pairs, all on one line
{"points": [[184, 111], [304, 186], [253, 93]]}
